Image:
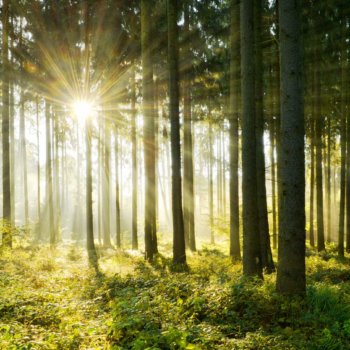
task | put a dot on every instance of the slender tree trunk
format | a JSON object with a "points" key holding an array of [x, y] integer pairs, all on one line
{"points": [[343, 149], [134, 233], [6, 171], [278, 122], [117, 194], [23, 153], [328, 184], [106, 189], [149, 145], [266, 254], [38, 156], [235, 250], [179, 253], [319, 175], [342, 186], [210, 179], [272, 132], [291, 252], [218, 173], [346, 117], [49, 189], [12, 132], [312, 180], [251, 239], [223, 172], [90, 244], [99, 185], [189, 219], [57, 180]]}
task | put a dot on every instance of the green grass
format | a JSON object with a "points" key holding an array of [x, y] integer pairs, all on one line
{"points": [[52, 300]]}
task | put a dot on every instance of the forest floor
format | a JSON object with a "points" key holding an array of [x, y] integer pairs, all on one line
{"points": [[51, 299]]}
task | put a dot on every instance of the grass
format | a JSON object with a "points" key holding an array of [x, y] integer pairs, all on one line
{"points": [[50, 299]]}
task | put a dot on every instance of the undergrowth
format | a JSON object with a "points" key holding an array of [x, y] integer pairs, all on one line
{"points": [[213, 307], [51, 299]]}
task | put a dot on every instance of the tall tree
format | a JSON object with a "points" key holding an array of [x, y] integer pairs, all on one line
{"points": [[266, 254], [235, 250], [6, 178], [148, 113], [189, 221], [179, 253], [117, 192], [90, 244], [106, 187], [343, 148], [251, 239], [291, 250], [134, 236], [49, 188]]}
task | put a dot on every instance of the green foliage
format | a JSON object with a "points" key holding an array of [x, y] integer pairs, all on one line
{"points": [[212, 307], [51, 299]]}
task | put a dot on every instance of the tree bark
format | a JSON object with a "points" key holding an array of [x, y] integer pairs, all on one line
{"points": [[134, 164], [291, 252], [148, 113], [6, 171], [251, 239], [235, 250], [189, 218], [117, 194], [49, 189], [266, 254], [90, 244], [179, 253]]}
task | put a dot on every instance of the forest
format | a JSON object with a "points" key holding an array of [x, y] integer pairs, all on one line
{"points": [[175, 174]]}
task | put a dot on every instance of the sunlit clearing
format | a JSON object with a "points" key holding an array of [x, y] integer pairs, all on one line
{"points": [[82, 109]]}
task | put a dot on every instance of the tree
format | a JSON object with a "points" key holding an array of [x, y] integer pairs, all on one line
{"points": [[49, 188], [189, 221], [148, 136], [235, 250], [106, 186], [179, 253], [90, 244], [251, 239], [291, 252], [266, 254], [134, 163], [117, 192], [343, 149], [6, 178]]}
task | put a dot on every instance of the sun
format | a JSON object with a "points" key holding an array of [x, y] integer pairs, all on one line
{"points": [[82, 108]]}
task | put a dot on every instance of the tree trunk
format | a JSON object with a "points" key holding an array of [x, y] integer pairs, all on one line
{"points": [[38, 155], [106, 189], [57, 180], [49, 189], [328, 183], [291, 252], [235, 250], [179, 253], [343, 149], [117, 194], [134, 237], [312, 180], [6, 171], [90, 244], [210, 179], [148, 113], [251, 239], [266, 254], [319, 174], [189, 220]]}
